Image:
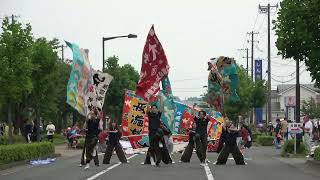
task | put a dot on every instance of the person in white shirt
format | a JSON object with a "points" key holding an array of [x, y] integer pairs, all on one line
{"points": [[50, 131], [308, 127]]}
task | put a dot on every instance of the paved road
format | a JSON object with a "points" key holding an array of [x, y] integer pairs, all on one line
{"points": [[263, 164]]}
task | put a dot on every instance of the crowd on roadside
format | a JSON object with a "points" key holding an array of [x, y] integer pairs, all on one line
{"points": [[310, 134]]}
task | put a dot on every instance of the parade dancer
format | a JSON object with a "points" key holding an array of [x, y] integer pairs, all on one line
{"points": [[229, 138], [187, 153], [201, 136], [167, 149], [114, 144], [155, 135], [91, 140]]}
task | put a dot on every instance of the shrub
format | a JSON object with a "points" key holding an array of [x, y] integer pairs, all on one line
{"points": [[288, 147], [265, 140], [317, 154], [255, 136], [4, 140], [19, 152]]}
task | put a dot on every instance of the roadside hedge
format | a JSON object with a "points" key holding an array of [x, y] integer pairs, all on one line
{"points": [[317, 154], [265, 140], [255, 136], [288, 147], [20, 152], [4, 140]]}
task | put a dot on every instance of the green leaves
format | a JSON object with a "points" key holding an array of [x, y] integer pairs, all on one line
{"points": [[31, 74], [16, 66], [298, 31], [311, 108], [124, 77]]}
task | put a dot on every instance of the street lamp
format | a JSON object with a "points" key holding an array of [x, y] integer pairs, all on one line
{"points": [[109, 38]]}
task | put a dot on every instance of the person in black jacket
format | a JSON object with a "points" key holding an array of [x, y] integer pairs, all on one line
{"points": [[114, 144], [154, 153], [187, 153], [229, 139], [201, 136], [166, 157], [28, 127], [92, 131]]}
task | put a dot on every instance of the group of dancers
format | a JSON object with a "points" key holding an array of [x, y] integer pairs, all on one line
{"points": [[159, 149]]}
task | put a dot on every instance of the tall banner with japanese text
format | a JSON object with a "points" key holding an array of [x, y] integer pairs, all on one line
{"points": [[134, 120], [80, 79], [101, 82], [258, 77], [154, 67]]}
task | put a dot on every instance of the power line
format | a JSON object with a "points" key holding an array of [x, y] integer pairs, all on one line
{"points": [[300, 73]]}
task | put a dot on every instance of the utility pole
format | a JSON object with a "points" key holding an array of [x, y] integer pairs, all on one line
{"points": [[266, 10], [247, 57], [252, 33]]}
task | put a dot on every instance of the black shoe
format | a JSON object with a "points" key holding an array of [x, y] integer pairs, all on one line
{"points": [[104, 162], [158, 164]]}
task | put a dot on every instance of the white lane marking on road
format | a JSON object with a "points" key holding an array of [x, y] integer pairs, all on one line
{"points": [[208, 172], [248, 159], [108, 169]]}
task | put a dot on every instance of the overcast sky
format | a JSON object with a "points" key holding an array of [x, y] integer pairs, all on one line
{"points": [[190, 31]]}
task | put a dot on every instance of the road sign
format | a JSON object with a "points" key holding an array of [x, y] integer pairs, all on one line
{"points": [[295, 128]]}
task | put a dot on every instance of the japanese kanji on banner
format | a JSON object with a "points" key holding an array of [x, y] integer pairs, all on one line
{"points": [[136, 116], [131, 120], [154, 67], [101, 82], [80, 79]]}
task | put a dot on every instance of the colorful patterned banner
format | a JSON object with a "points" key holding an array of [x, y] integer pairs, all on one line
{"points": [[178, 117], [131, 120], [169, 107], [154, 67], [80, 79]]}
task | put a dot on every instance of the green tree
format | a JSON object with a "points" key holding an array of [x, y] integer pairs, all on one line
{"points": [[124, 77], [62, 109], [311, 108], [16, 65], [298, 30], [44, 60]]}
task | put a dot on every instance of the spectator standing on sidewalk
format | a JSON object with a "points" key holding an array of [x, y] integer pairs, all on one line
{"points": [[50, 131], [284, 129], [270, 128], [278, 137], [308, 127]]}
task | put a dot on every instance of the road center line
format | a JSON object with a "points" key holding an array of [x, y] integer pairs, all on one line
{"points": [[108, 169], [208, 172]]}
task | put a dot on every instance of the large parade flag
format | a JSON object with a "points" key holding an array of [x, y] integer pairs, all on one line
{"points": [[167, 116], [134, 120], [97, 92], [154, 67], [80, 80]]}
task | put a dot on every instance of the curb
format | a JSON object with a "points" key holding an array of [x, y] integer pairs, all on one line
{"points": [[313, 162], [24, 162]]}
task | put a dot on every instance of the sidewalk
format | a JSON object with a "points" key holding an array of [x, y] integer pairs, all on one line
{"points": [[63, 151], [304, 164]]}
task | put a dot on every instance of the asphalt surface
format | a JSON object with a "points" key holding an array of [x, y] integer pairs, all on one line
{"points": [[263, 164]]}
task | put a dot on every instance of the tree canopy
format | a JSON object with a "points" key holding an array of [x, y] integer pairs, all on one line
{"points": [[124, 77], [298, 30]]}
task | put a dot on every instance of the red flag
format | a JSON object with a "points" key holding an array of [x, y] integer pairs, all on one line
{"points": [[154, 67]]}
